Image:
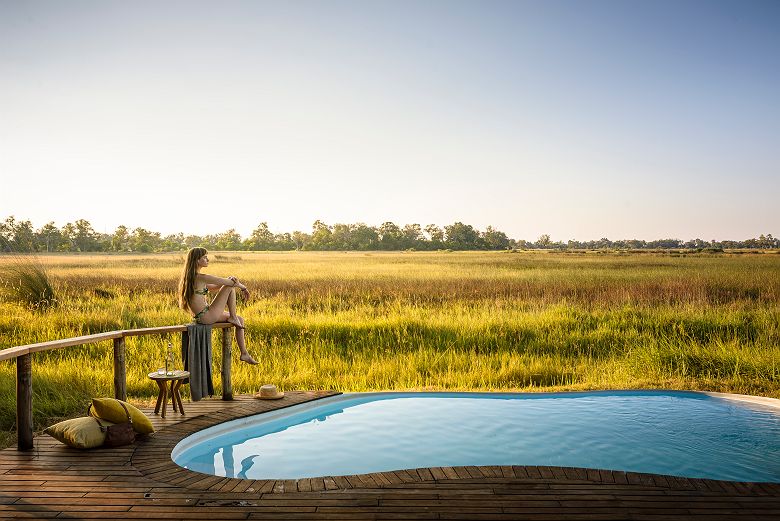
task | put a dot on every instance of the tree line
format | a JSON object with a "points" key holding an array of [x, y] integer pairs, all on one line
{"points": [[79, 236]]}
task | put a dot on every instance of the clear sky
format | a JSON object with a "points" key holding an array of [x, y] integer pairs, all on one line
{"points": [[580, 119]]}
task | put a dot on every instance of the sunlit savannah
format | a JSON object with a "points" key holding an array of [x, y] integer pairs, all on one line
{"points": [[519, 321]]}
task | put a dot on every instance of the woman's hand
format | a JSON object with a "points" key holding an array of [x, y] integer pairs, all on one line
{"points": [[240, 286]]}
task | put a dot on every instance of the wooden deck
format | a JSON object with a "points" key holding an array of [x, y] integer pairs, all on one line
{"points": [[140, 482]]}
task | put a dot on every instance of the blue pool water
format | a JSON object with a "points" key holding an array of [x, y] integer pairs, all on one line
{"points": [[678, 433]]}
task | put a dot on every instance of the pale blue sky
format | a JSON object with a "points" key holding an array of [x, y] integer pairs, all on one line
{"points": [[580, 119]]}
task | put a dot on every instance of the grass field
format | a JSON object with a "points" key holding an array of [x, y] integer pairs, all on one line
{"points": [[526, 321]]}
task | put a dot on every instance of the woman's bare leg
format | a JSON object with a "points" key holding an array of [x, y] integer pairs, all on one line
{"points": [[216, 312], [231, 305], [245, 356], [226, 296]]}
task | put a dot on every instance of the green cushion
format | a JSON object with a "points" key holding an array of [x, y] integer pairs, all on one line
{"points": [[111, 410], [79, 433]]}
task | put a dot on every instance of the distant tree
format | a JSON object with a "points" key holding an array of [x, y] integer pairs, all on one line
{"points": [[68, 238], [320, 236], [6, 233], [103, 241], [435, 236], [301, 240], [283, 241], [23, 237], [209, 242], [696, 244], [341, 237], [229, 240], [543, 241], [144, 241], [17, 236], [495, 240], [390, 236], [766, 241], [192, 241], [48, 237], [82, 236], [635, 244], [174, 242], [665, 244], [120, 240], [411, 236], [365, 237], [461, 236], [261, 238]]}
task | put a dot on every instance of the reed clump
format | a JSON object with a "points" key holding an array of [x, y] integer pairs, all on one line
{"points": [[25, 279]]}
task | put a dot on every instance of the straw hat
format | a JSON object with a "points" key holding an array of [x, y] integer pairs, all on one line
{"points": [[269, 392]]}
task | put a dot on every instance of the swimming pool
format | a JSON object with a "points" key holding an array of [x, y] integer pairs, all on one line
{"points": [[677, 433]]}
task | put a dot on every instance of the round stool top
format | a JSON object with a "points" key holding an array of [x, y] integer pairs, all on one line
{"points": [[172, 375]]}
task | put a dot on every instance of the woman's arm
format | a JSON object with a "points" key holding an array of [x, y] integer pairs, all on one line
{"points": [[214, 283], [211, 280]]}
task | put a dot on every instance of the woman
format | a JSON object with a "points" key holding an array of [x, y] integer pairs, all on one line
{"points": [[193, 288]]}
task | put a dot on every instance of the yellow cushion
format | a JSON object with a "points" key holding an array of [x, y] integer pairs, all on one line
{"points": [[111, 410], [79, 433]]}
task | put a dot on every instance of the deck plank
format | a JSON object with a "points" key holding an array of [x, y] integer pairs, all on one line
{"points": [[140, 482]]}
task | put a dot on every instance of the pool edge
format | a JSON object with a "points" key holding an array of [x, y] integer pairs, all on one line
{"points": [[746, 398], [153, 460]]}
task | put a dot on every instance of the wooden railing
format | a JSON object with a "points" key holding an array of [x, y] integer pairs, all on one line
{"points": [[23, 355]]}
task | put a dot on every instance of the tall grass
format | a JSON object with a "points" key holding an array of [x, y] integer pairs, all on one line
{"points": [[26, 280], [455, 321]]}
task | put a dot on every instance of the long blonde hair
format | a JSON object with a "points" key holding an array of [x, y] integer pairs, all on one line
{"points": [[187, 280]]}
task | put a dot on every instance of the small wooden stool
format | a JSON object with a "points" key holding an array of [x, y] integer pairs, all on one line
{"points": [[176, 379]]}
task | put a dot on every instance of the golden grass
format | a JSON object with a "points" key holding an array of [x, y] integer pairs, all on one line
{"points": [[432, 320]]}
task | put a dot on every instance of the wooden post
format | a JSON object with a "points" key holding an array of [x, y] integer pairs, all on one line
{"points": [[120, 371], [185, 343], [227, 385], [24, 415]]}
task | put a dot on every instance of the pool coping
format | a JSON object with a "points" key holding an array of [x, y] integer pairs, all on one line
{"points": [[152, 458], [760, 400]]}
